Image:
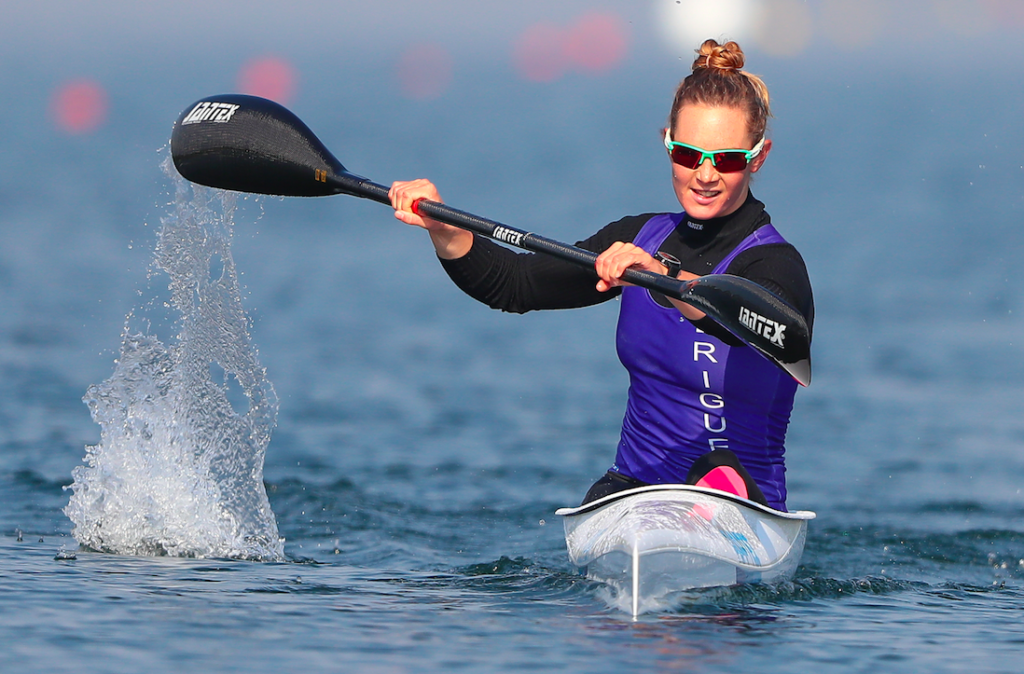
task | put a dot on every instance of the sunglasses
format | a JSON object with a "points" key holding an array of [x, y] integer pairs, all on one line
{"points": [[725, 161]]}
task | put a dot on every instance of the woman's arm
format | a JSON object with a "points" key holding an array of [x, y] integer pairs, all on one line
{"points": [[504, 279]]}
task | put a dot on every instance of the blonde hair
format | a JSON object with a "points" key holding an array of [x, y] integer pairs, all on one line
{"points": [[718, 80]]}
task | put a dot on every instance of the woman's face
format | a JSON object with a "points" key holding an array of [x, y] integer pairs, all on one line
{"points": [[703, 192]]}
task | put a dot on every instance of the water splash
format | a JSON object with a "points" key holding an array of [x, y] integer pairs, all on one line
{"points": [[179, 468]]}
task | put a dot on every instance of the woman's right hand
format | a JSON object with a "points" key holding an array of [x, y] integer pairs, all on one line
{"points": [[449, 242]]}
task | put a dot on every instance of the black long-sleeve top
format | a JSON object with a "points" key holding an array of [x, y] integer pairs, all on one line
{"points": [[521, 282]]}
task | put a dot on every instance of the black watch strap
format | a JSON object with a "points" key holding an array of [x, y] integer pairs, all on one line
{"points": [[671, 262]]}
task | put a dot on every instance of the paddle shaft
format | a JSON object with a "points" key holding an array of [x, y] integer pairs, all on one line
{"points": [[722, 297], [367, 189]]}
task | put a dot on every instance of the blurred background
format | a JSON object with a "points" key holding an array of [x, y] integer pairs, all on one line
{"points": [[897, 171]]}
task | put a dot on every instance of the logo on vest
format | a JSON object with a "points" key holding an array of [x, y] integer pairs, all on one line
{"points": [[759, 325], [208, 111]]}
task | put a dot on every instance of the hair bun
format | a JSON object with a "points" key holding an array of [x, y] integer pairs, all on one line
{"points": [[718, 80], [713, 56]]}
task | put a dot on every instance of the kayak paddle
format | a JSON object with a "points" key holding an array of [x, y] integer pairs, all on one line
{"points": [[251, 144]]}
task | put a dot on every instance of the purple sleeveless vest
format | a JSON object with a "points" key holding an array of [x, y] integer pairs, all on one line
{"points": [[690, 393]]}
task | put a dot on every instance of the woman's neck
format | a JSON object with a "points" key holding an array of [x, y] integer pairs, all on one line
{"points": [[697, 229]]}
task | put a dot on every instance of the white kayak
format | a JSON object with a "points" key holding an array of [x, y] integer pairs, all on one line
{"points": [[650, 542]]}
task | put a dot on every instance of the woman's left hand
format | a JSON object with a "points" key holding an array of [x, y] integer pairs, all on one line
{"points": [[619, 257]]}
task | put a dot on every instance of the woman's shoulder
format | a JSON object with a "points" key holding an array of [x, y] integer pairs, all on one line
{"points": [[636, 221], [624, 229]]}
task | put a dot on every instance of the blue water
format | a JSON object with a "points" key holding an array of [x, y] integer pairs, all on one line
{"points": [[423, 442]]}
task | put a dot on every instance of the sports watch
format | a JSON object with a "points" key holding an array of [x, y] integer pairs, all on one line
{"points": [[671, 262]]}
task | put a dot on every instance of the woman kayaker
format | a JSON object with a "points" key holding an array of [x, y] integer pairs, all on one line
{"points": [[702, 408]]}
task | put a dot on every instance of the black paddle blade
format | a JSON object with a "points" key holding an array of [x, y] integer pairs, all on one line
{"points": [[758, 317], [251, 144]]}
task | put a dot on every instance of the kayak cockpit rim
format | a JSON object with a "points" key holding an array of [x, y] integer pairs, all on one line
{"points": [[611, 498]]}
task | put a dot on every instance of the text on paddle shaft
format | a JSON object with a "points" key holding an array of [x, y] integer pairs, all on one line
{"points": [[507, 235], [208, 111], [766, 327]]}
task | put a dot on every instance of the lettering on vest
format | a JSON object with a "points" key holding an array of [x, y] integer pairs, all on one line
{"points": [[704, 349], [707, 424], [712, 401]]}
